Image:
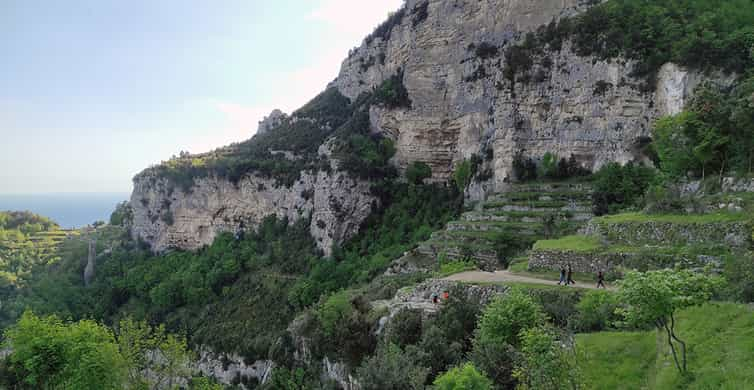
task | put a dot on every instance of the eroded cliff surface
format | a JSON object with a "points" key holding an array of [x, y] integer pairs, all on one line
{"points": [[464, 101], [169, 217]]}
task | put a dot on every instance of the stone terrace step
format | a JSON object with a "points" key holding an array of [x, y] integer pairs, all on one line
{"points": [[551, 187], [541, 196], [524, 216]]}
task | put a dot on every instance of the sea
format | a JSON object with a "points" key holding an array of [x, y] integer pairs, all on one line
{"points": [[69, 210]]}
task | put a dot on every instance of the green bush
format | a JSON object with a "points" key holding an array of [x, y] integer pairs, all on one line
{"points": [[545, 364], [505, 317], [417, 172], [465, 377], [392, 93], [618, 186], [524, 168], [596, 311], [405, 328], [462, 175], [391, 369], [549, 166], [713, 136]]}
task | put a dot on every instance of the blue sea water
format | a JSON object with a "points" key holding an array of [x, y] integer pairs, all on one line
{"points": [[70, 210]]}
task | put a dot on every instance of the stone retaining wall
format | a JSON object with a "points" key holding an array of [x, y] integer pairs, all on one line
{"points": [[613, 263], [734, 234]]}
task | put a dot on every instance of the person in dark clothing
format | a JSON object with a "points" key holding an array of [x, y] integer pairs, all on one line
{"points": [[600, 280], [570, 276], [562, 276]]}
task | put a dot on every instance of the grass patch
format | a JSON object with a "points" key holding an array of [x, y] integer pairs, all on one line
{"points": [[575, 243], [454, 267], [720, 338], [617, 360], [674, 218]]}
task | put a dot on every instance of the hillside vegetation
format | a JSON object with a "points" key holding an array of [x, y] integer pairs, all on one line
{"points": [[268, 294]]}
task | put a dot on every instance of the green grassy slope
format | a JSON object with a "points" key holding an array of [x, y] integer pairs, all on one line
{"points": [[720, 338]]}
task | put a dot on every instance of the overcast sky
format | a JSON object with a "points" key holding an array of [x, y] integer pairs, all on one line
{"points": [[93, 91]]}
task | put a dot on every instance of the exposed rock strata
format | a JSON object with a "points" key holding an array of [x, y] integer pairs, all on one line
{"points": [[576, 105], [167, 217]]}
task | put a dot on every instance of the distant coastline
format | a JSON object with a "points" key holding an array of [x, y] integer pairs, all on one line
{"points": [[69, 210]]}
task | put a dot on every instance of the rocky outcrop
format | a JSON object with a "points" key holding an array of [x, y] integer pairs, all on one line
{"points": [[271, 121], [463, 104], [231, 369], [169, 217]]}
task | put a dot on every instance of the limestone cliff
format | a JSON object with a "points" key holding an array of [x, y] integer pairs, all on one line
{"points": [[169, 217], [464, 102]]}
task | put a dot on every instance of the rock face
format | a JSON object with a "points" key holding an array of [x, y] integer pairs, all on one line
{"points": [[168, 217], [462, 104]]}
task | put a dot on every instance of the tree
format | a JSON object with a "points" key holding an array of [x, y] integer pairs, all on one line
{"points": [[392, 369], [462, 175], [674, 147], [49, 353], [654, 297], [711, 146], [497, 361], [545, 364], [417, 172], [465, 377], [549, 166], [505, 317]]}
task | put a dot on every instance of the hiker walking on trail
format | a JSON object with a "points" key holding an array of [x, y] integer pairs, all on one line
{"points": [[562, 276], [570, 275], [434, 298], [600, 280]]}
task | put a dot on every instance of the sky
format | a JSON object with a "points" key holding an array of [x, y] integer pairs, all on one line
{"points": [[92, 91]]}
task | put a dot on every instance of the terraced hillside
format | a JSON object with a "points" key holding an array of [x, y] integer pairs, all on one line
{"points": [[508, 223], [649, 241]]}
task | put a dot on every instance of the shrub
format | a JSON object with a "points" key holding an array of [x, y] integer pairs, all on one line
{"points": [[392, 93], [596, 311], [405, 328], [505, 317], [617, 187], [664, 199], [391, 369], [739, 273], [549, 166], [465, 377], [417, 172], [462, 175], [122, 215], [486, 50], [524, 168], [545, 364], [497, 361]]}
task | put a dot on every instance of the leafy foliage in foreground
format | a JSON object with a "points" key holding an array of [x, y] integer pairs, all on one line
{"points": [[50, 353]]}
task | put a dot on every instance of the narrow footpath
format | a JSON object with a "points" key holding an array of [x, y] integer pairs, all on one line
{"points": [[507, 276]]}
